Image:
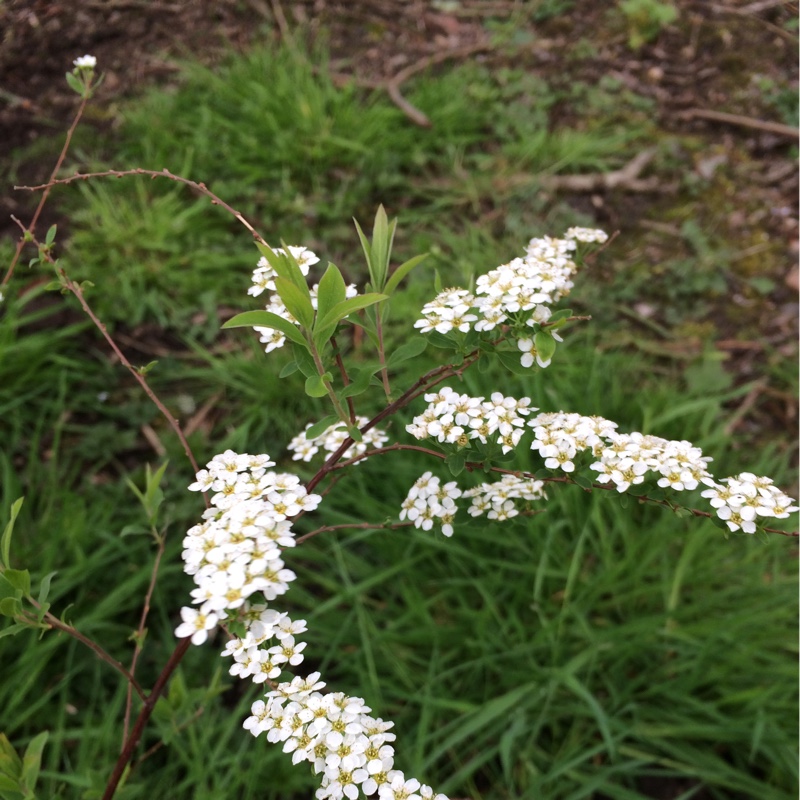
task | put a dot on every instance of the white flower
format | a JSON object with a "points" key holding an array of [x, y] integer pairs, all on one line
{"points": [[195, 624], [85, 62]]}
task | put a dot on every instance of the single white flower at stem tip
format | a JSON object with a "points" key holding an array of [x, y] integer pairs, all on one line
{"points": [[85, 62]]}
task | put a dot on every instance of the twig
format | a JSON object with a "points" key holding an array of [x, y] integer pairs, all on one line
{"points": [[174, 424], [778, 128], [43, 199], [54, 622], [626, 178], [363, 526], [144, 715], [152, 173], [345, 378], [140, 631], [78, 292], [382, 356]]}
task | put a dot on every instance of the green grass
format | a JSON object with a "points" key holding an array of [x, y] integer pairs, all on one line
{"points": [[575, 654]]}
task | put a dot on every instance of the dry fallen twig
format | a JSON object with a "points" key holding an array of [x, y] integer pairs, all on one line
{"points": [[778, 128]]}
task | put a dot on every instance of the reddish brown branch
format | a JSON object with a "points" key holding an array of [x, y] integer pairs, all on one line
{"points": [[43, 199]]}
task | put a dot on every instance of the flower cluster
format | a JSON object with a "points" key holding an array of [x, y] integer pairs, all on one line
{"points": [[588, 235], [431, 501], [337, 736], [519, 293], [448, 311], [740, 499], [625, 458], [453, 418], [331, 439], [496, 500], [560, 436], [236, 550]]}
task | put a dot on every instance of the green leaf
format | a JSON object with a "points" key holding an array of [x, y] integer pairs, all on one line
{"points": [[51, 234], [559, 315], [455, 463], [266, 319], [583, 482], [402, 271], [354, 433], [153, 495], [315, 385], [5, 541], [366, 247], [75, 84], [511, 361], [19, 579], [382, 239], [10, 607], [10, 762], [413, 347], [305, 362], [289, 369], [319, 427], [275, 260], [32, 760], [297, 302], [331, 291], [341, 310], [361, 382], [13, 630], [440, 340], [545, 345], [44, 587]]}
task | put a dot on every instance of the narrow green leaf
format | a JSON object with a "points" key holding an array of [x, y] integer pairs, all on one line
{"points": [[315, 385], [288, 369], [5, 542], [341, 310], [266, 319], [50, 237], [354, 433], [319, 427], [559, 315], [367, 248], [380, 245], [402, 271], [277, 261], [331, 291], [32, 760], [44, 587], [13, 630], [296, 301], [583, 482], [305, 362], [545, 345], [413, 347]]}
